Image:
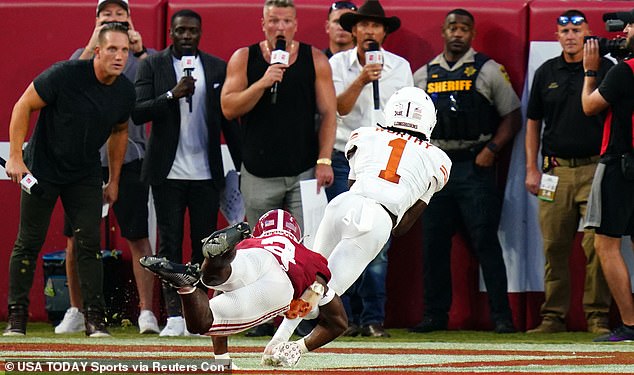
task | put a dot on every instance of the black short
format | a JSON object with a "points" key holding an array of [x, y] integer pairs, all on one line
{"points": [[617, 203], [131, 208]]}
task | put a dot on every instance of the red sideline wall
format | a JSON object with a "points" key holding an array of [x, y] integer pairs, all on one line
{"points": [[37, 38]]}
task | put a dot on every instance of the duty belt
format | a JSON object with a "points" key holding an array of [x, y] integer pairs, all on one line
{"points": [[551, 162]]}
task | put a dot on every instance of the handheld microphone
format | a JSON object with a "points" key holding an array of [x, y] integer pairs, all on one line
{"points": [[278, 56], [374, 56], [188, 64], [28, 182]]}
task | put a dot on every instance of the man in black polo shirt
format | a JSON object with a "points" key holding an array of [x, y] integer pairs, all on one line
{"points": [[570, 148]]}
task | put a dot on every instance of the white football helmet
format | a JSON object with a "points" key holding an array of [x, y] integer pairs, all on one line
{"points": [[410, 108]]}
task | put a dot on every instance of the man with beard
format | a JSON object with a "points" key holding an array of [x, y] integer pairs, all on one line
{"points": [[478, 114], [354, 77]]}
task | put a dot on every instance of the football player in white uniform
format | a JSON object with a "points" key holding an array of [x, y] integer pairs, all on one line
{"points": [[394, 171]]}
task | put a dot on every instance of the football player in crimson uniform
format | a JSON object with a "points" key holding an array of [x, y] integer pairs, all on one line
{"points": [[394, 171], [255, 278]]}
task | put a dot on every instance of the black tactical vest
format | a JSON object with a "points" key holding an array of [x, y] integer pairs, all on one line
{"points": [[463, 113]]}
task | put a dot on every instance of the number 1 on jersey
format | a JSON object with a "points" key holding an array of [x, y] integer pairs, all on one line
{"points": [[389, 173]]}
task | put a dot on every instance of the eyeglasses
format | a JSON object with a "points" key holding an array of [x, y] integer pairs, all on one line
{"points": [[575, 20], [342, 5]]}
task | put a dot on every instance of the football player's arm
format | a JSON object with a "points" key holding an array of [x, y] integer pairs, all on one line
{"points": [[409, 218], [332, 322]]}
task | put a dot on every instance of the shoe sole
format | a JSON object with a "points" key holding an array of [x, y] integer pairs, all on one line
{"points": [[13, 334], [149, 331], [70, 332], [99, 335], [165, 270]]}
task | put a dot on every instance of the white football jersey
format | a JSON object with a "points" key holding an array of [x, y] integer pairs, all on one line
{"points": [[395, 169]]}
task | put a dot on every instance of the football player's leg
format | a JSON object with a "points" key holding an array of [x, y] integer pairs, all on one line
{"points": [[257, 290], [328, 233], [365, 230], [196, 310]]}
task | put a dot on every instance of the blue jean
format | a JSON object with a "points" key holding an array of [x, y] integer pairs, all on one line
{"points": [[365, 299]]}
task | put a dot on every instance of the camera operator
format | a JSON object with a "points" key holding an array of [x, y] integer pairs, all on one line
{"points": [[611, 202]]}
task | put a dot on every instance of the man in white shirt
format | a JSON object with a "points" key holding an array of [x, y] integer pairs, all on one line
{"points": [[354, 77]]}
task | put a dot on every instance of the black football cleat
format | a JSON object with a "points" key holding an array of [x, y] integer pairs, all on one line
{"points": [[176, 274], [221, 241]]}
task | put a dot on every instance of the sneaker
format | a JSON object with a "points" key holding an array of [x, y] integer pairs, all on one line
{"points": [[16, 325], [504, 326], [147, 322], [287, 354], [374, 330], [177, 275], [175, 327], [226, 239], [430, 324], [622, 333], [73, 322], [95, 322], [353, 330], [599, 325], [549, 325]]}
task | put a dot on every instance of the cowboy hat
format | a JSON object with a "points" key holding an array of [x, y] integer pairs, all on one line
{"points": [[370, 10]]}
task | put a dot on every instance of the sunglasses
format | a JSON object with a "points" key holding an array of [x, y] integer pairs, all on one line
{"points": [[342, 5], [575, 20]]}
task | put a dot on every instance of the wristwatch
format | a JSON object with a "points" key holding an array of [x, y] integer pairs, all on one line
{"points": [[140, 53], [493, 147], [169, 95], [590, 73]]}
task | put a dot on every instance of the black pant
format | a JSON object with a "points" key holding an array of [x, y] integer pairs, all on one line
{"points": [[171, 199], [82, 205], [470, 197]]}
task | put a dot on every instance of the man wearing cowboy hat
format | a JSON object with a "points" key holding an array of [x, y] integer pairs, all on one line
{"points": [[353, 78]]}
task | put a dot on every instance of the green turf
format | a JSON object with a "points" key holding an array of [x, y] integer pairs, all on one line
{"points": [[45, 330]]}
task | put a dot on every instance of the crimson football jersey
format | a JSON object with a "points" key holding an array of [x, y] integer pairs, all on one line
{"points": [[300, 264]]}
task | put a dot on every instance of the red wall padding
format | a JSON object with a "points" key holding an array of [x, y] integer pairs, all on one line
{"points": [[37, 33]]}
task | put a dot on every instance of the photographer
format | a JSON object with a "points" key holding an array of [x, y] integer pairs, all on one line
{"points": [[611, 202]]}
